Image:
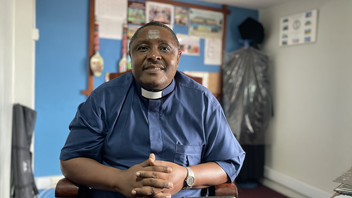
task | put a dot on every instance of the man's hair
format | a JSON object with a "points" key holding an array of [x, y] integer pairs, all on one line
{"points": [[154, 23]]}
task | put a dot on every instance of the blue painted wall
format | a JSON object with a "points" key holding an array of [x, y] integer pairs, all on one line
{"points": [[61, 69]]}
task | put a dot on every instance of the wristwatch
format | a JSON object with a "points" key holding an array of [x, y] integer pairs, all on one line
{"points": [[189, 180]]}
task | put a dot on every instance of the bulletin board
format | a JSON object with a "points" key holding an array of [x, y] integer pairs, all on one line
{"points": [[191, 23], [206, 23]]}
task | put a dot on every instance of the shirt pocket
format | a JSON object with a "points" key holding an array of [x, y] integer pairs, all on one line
{"points": [[188, 155]]}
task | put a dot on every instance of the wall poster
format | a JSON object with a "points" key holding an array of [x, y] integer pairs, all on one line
{"points": [[181, 15], [204, 23], [160, 12], [189, 45], [299, 28], [136, 12]]}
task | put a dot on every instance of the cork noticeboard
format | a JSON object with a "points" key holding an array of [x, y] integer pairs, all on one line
{"points": [[214, 83], [211, 80]]}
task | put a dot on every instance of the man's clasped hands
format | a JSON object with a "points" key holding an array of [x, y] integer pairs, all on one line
{"points": [[153, 178]]}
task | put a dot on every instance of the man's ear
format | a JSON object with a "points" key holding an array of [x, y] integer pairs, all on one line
{"points": [[179, 57]]}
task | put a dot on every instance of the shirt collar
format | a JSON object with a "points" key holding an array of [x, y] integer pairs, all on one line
{"points": [[155, 94]]}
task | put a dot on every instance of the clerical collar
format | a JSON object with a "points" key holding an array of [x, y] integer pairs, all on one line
{"points": [[151, 94], [156, 94]]}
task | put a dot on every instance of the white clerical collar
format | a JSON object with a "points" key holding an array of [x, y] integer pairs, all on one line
{"points": [[156, 94], [151, 94]]}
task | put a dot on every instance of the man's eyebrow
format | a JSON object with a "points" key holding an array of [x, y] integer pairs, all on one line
{"points": [[139, 42], [147, 41], [165, 41]]}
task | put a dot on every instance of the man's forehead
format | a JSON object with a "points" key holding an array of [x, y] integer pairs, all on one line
{"points": [[153, 34]]}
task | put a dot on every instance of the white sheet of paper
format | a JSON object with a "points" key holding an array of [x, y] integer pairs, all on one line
{"points": [[212, 51], [111, 14], [110, 28], [111, 8]]}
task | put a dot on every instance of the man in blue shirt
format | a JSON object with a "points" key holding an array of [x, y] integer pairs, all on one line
{"points": [[153, 132]]}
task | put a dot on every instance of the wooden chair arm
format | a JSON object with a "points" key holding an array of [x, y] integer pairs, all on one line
{"points": [[66, 188], [226, 189]]}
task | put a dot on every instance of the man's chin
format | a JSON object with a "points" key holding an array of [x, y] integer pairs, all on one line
{"points": [[152, 85], [155, 82]]}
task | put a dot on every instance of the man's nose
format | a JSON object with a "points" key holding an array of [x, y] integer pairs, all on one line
{"points": [[154, 54]]}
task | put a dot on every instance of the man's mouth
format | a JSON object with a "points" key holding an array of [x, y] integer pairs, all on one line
{"points": [[154, 68]]}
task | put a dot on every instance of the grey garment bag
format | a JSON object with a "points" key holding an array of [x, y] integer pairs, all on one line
{"points": [[22, 178], [246, 95]]}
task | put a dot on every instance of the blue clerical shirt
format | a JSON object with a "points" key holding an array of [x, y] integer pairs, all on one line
{"points": [[119, 127]]}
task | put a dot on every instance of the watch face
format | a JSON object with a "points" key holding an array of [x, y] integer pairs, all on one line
{"points": [[190, 181]]}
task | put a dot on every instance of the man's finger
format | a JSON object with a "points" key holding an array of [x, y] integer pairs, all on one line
{"points": [[162, 195], [162, 169], [145, 191], [159, 163], [165, 174], [149, 174], [149, 161], [148, 191], [152, 156], [157, 182]]}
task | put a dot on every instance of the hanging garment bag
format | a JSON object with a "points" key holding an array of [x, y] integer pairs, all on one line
{"points": [[22, 179]]}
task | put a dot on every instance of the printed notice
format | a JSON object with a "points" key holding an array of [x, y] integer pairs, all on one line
{"points": [[299, 28]]}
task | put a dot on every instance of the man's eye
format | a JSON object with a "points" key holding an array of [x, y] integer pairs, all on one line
{"points": [[164, 48], [142, 48]]}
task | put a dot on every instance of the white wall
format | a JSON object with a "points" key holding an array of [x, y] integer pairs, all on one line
{"points": [[311, 133], [6, 92], [25, 36], [16, 73]]}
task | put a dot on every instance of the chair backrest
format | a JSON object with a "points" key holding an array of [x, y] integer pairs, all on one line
{"points": [[110, 76]]}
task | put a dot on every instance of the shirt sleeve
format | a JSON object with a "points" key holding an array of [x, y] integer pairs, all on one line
{"points": [[222, 146], [86, 135]]}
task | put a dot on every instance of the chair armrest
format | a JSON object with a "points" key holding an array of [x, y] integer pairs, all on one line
{"points": [[65, 188], [226, 189]]}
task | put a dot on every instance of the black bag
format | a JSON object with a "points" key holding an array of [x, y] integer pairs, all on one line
{"points": [[22, 179]]}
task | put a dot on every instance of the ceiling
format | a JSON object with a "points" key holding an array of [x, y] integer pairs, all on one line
{"points": [[250, 4]]}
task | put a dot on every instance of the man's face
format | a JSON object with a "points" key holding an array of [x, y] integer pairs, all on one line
{"points": [[154, 57]]}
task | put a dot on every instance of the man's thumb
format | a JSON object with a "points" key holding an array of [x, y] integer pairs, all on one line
{"points": [[151, 159]]}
